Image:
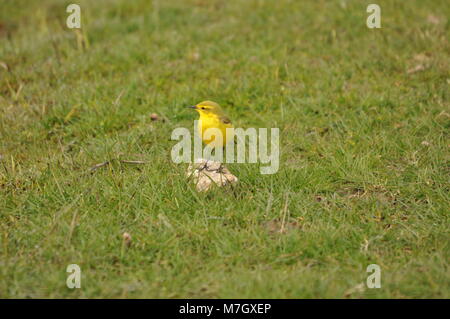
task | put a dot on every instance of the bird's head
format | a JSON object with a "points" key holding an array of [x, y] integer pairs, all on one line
{"points": [[207, 107]]}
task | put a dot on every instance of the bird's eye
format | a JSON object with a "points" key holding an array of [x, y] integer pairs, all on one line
{"points": [[203, 108]]}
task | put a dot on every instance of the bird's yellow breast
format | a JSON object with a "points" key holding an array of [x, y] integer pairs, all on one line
{"points": [[214, 121]]}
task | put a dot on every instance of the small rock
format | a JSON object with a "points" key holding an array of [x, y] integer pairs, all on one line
{"points": [[206, 172]]}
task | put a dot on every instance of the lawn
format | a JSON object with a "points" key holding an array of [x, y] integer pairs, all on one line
{"points": [[364, 141]]}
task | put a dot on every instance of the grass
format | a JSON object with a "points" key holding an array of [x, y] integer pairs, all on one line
{"points": [[364, 169]]}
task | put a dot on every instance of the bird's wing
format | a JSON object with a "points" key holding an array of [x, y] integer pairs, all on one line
{"points": [[225, 120]]}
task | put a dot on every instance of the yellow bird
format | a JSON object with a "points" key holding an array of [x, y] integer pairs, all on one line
{"points": [[212, 116]]}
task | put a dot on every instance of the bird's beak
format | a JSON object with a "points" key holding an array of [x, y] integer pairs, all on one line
{"points": [[192, 107]]}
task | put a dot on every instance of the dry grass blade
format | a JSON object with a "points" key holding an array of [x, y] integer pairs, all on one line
{"points": [[99, 165]]}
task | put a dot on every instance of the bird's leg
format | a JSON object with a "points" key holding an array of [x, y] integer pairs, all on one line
{"points": [[207, 153]]}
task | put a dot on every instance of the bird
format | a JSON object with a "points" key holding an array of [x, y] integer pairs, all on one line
{"points": [[212, 116]]}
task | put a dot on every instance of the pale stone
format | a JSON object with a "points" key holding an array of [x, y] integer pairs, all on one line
{"points": [[206, 172]]}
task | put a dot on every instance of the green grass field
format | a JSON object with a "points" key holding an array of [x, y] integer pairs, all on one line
{"points": [[364, 171]]}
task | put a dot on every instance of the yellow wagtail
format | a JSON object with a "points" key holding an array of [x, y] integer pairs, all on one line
{"points": [[212, 116]]}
